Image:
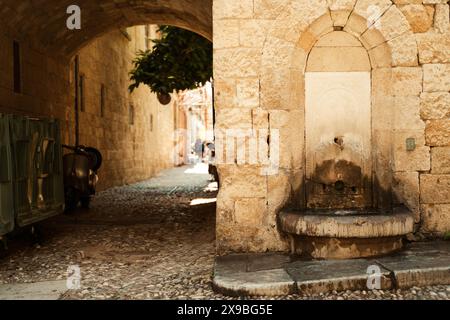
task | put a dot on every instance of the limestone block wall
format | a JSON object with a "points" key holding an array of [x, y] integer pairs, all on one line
{"points": [[133, 149], [134, 131], [261, 49]]}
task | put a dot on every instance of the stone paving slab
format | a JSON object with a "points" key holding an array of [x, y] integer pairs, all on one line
{"points": [[48, 290], [420, 264], [314, 277]]}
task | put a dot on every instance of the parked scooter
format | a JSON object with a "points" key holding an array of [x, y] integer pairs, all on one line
{"points": [[80, 175]]}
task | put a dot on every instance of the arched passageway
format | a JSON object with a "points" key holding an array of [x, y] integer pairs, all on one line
{"points": [[43, 23], [153, 222], [109, 117]]}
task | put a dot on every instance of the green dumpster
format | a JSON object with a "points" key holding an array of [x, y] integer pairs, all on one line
{"points": [[37, 173], [6, 182]]}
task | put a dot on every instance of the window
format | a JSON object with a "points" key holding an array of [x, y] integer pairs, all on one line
{"points": [[151, 123], [82, 93], [102, 100], [131, 115], [17, 67]]}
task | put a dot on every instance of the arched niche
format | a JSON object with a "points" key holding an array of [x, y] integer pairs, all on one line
{"points": [[338, 124]]}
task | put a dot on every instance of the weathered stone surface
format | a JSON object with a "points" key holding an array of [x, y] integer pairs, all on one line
{"points": [[381, 56], [280, 60], [235, 180], [345, 234], [436, 77], [415, 160], [233, 118], [420, 264], [436, 218], [253, 33], [406, 81], [336, 225], [392, 24], [268, 9], [233, 9], [336, 59], [296, 17], [276, 282], [238, 275], [404, 50], [250, 211], [437, 133], [335, 5], [280, 190], [248, 92], [340, 17], [314, 277], [290, 128], [372, 9], [238, 62], [441, 18], [435, 106], [400, 2], [407, 113], [229, 35], [356, 25], [407, 191], [431, 263], [225, 92], [420, 17], [440, 160], [338, 39], [435, 189], [382, 88], [433, 48]]}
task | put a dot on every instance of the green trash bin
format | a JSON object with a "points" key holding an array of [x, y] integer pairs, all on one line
{"points": [[37, 162], [6, 179]]}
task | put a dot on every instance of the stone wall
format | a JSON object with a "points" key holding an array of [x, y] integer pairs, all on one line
{"points": [[132, 150], [260, 53]]}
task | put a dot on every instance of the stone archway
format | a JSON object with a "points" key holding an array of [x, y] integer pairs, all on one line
{"points": [[42, 23], [338, 124]]}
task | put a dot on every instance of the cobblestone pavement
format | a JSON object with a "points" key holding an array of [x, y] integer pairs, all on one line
{"points": [[150, 240]]}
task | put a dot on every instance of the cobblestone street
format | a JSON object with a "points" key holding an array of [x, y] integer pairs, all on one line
{"points": [[151, 240], [137, 242]]}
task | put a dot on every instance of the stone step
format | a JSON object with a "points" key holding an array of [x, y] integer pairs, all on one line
{"points": [[420, 264]]}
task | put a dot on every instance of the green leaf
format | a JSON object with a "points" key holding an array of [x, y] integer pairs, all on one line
{"points": [[180, 60]]}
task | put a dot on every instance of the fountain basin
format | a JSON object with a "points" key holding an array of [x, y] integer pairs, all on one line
{"points": [[346, 234]]}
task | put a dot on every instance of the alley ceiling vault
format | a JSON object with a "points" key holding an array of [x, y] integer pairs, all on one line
{"points": [[43, 22]]}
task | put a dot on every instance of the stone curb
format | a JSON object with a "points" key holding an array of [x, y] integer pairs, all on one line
{"points": [[230, 277], [235, 284]]}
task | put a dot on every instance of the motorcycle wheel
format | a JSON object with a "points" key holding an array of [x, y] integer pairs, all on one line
{"points": [[85, 202], [96, 158], [72, 198]]}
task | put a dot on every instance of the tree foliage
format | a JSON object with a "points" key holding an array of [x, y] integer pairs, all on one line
{"points": [[180, 60]]}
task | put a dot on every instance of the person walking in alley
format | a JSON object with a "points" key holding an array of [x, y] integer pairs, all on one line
{"points": [[198, 149]]}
